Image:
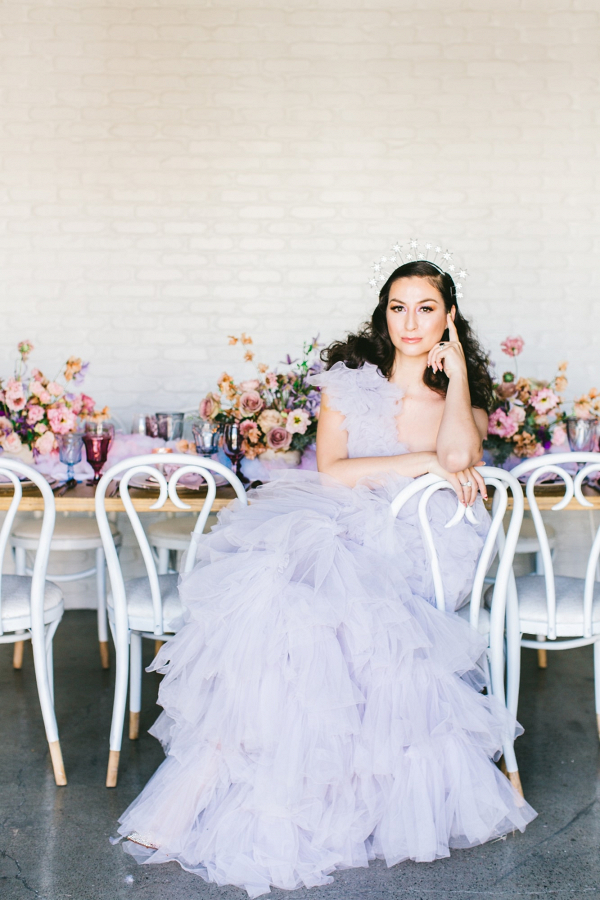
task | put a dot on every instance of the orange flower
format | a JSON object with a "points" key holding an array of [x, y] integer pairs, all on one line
{"points": [[232, 340], [262, 368], [523, 389], [562, 367], [527, 446], [248, 356], [245, 339], [560, 383]]}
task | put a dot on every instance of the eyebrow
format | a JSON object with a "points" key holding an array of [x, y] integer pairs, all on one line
{"points": [[427, 300]]}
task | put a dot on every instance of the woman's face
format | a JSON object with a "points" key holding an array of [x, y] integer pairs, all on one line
{"points": [[416, 316]]}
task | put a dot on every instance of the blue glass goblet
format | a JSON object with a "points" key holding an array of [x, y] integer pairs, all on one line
{"points": [[70, 448]]}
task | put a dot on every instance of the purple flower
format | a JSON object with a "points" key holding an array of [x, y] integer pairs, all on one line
{"points": [[79, 377]]}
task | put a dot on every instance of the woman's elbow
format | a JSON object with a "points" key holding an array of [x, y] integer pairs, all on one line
{"points": [[459, 460]]}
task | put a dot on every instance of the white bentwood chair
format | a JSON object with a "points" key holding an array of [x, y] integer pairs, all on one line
{"points": [[487, 622], [147, 607], [31, 607], [563, 612], [71, 534]]}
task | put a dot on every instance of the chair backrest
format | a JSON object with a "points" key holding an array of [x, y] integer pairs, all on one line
{"points": [[427, 485], [553, 464], [152, 464], [12, 469]]}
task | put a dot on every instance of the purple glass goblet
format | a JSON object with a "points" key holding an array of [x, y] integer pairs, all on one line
{"points": [[232, 446], [97, 439]]}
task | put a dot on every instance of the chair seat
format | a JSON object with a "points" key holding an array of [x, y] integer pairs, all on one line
{"points": [[533, 614], [16, 602], [70, 533], [528, 540], [483, 625], [139, 603], [175, 533]]}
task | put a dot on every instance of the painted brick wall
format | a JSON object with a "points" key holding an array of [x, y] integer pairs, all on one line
{"points": [[176, 170]]}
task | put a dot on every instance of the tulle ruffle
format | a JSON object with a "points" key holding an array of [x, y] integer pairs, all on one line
{"points": [[318, 710]]}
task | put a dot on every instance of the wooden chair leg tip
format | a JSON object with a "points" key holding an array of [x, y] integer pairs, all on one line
{"points": [[104, 655], [113, 768], [60, 776], [542, 659], [18, 655], [515, 780], [134, 726]]}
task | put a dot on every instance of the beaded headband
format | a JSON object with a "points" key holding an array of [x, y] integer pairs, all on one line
{"points": [[417, 253]]}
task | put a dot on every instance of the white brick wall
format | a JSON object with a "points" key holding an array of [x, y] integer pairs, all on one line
{"points": [[176, 170]]}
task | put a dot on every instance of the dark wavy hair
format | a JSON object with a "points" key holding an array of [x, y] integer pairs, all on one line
{"points": [[373, 343]]}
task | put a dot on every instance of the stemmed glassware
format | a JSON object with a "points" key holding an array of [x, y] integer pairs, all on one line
{"points": [[232, 445], [97, 439], [70, 449], [206, 436]]}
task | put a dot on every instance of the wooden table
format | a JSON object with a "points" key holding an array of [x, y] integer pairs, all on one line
{"points": [[81, 499]]}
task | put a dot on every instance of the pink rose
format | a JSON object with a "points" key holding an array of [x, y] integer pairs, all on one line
{"points": [[45, 444], [517, 414], [250, 385], [249, 430], [250, 403], [14, 395], [209, 407], [38, 390], [559, 436], [55, 388], [512, 346], [88, 405], [76, 403], [11, 443], [61, 419], [501, 424], [298, 421], [271, 380], [544, 400], [34, 414], [279, 438]]}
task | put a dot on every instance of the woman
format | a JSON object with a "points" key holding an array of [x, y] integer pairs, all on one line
{"points": [[319, 711]]}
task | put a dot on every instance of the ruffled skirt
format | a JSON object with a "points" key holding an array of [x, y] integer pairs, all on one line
{"points": [[319, 711]]}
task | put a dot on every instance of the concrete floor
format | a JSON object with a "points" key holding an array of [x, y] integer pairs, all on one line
{"points": [[54, 841]]}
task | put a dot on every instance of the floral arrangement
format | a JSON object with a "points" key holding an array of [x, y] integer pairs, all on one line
{"points": [[278, 411], [527, 419], [33, 408]]}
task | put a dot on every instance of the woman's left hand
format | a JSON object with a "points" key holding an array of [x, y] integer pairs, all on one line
{"points": [[448, 356]]}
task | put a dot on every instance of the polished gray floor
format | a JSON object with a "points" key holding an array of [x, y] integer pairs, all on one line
{"points": [[54, 841]]}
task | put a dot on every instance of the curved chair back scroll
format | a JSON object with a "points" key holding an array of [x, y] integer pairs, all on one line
{"points": [[152, 464]]}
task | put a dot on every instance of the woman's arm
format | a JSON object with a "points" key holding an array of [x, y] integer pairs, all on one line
{"points": [[463, 428], [332, 453]]}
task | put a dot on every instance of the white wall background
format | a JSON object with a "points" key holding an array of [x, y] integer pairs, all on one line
{"points": [[173, 171]]}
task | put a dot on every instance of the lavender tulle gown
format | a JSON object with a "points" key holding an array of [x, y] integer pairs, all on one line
{"points": [[318, 710]]}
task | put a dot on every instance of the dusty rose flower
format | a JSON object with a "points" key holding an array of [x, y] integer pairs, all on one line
{"points": [[251, 385], [250, 403], [45, 444], [61, 419], [56, 389], [544, 400], [512, 346], [25, 348], [34, 414], [268, 419], [506, 389], [88, 405], [11, 442], [249, 430], [501, 424], [559, 436], [517, 414], [527, 446], [76, 404], [279, 438], [209, 407], [298, 421], [14, 395]]}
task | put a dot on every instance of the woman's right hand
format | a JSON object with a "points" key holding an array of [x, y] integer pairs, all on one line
{"points": [[466, 493]]}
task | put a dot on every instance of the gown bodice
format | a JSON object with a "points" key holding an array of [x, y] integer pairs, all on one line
{"points": [[369, 404]]}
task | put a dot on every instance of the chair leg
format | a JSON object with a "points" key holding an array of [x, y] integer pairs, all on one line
{"points": [[597, 682], [135, 685], [163, 561], [157, 646], [542, 654], [120, 703], [20, 569], [18, 649], [40, 660], [101, 594]]}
